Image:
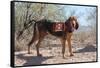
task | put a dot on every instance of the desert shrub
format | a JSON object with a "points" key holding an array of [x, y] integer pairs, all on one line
{"points": [[81, 36]]}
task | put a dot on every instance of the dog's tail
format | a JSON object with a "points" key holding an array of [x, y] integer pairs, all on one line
{"points": [[36, 31]]}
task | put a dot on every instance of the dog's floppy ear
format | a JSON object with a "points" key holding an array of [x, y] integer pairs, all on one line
{"points": [[77, 26]]}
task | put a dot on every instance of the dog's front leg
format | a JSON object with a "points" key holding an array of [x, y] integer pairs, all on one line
{"points": [[63, 47], [69, 43]]}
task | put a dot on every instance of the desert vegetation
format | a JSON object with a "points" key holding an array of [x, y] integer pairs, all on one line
{"points": [[25, 13], [84, 37]]}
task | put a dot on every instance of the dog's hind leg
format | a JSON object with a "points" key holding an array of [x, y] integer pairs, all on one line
{"points": [[34, 39], [37, 47], [42, 34]]}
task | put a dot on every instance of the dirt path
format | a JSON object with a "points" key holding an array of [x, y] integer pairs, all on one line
{"points": [[54, 56]]}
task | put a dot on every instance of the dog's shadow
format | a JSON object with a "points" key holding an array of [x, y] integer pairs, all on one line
{"points": [[88, 48], [33, 60]]}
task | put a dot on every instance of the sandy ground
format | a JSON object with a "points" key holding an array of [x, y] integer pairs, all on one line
{"points": [[53, 55]]}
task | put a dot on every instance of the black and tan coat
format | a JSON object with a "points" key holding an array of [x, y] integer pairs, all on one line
{"points": [[44, 27]]}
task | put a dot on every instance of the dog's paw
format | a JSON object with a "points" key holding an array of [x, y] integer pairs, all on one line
{"points": [[72, 54], [39, 55], [29, 52], [63, 56]]}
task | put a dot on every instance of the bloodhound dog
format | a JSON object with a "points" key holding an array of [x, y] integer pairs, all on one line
{"points": [[44, 27]]}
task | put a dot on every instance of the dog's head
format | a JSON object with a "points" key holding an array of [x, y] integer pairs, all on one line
{"points": [[72, 24]]}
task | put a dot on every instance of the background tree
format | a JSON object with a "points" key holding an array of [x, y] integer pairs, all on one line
{"points": [[26, 14]]}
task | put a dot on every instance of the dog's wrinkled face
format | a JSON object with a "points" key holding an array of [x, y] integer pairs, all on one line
{"points": [[72, 24]]}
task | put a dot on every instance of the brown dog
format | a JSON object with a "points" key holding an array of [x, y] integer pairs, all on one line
{"points": [[44, 27]]}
